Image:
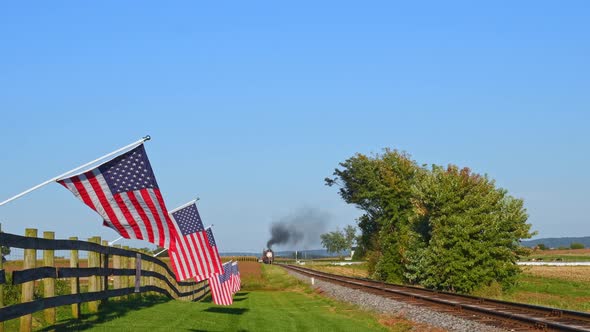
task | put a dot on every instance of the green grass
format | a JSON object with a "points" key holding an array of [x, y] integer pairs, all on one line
{"points": [[252, 311], [276, 302], [552, 292], [273, 278]]}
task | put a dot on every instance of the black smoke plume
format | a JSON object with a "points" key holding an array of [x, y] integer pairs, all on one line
{"points": [[302, 227]]}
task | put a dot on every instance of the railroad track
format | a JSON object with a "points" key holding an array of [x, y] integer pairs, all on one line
{"points": [[502, 314]]}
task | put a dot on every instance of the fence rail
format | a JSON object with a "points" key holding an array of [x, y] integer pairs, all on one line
{"points": [[112, 272]]}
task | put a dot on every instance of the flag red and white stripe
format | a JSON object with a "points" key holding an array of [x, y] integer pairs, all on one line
{"points": [[236, 279], [191, 254], [220, 285], [216, 260], [124, 192]]}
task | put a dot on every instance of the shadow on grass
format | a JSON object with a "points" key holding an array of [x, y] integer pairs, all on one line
{"points": [[111, 310], [241, 296], [229, 311]]}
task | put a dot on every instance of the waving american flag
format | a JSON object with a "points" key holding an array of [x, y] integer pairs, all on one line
{"points": [[220, 285], [191, 253], [124, 192], [216, 260], [236, 280]]}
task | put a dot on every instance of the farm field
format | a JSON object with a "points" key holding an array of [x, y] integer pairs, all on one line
{"points": [[270, 300], [566, 255], [356, 270], [566, 287]]}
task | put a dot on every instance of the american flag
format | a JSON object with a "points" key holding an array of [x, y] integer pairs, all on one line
{"points": [[124, 192], [236, 277], [220, 286], [191, 254], [214, 251]]}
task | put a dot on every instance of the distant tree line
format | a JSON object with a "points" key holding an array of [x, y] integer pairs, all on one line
{"points": [[441, 227], [573, 245]]}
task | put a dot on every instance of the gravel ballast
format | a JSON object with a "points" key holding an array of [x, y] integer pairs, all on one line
{"points": [[388, 306]]}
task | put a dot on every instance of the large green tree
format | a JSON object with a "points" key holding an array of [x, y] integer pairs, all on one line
{"points": [[467, 231], [444, 228], [381, 186]]}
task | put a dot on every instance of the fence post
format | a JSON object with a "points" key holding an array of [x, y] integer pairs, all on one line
{"points": [[93, 281], [168, 287], [203, 290], [30, 261], [174, 283], [105, 265], [150, 280], [138, 273], [1, 287], [116, 266], [49, 283], [125, 265], [163, 283], [75, 282], [156, 279], [131, 265], [173, 294]]}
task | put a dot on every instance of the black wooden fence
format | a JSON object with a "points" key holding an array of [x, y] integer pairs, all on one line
{"points": [[112, 271]]}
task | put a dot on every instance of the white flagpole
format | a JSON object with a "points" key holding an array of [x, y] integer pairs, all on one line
{"points": [[115, 240], [183, 205], [147, 138], [160, 252]]}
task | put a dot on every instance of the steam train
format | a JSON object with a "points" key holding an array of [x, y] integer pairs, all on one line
{"points": [[268, 256]]}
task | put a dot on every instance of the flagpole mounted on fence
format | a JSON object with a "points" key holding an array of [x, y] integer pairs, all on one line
{"points": [[156, 255], [132, 145], [115, 240]]}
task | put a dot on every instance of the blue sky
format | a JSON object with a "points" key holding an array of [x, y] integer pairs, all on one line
{"points": [[250, 105]]}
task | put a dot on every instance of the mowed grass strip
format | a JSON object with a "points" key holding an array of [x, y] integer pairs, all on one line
{"points": [[270, 300], [251, 311]]}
